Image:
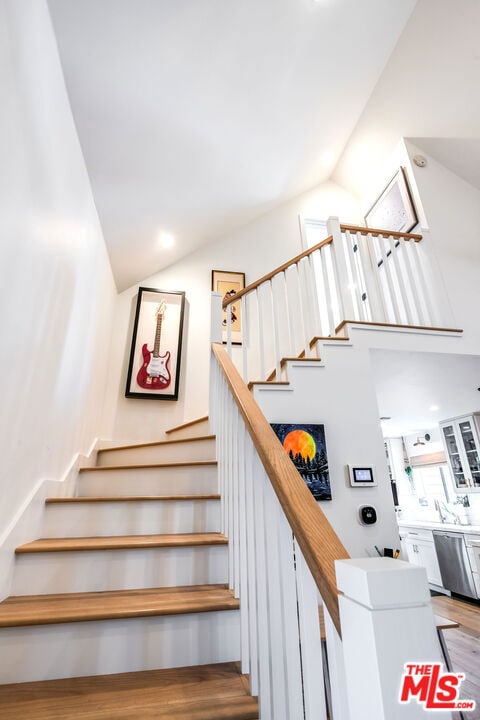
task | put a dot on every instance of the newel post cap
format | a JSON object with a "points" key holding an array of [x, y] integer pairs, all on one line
{"points": [[383, 582]]}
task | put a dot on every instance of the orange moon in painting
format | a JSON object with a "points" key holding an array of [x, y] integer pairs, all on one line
{"points": [[300, 443]]}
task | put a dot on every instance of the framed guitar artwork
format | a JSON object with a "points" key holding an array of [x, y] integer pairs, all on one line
{"points": [[155, 353]]}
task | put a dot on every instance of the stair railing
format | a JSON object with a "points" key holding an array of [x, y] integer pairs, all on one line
{"points": [[282, 551], [283, 556], [390, 279], [356, 274]]}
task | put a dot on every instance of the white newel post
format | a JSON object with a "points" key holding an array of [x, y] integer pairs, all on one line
{"points": [[216, 318], [341, 269], [387, 620]]}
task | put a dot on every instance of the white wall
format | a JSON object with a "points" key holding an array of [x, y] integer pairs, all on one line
{"points": [[56, 289], [341, 396], [427, 89], [254, 249], [451, 209]]}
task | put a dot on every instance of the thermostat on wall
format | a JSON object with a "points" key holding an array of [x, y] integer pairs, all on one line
{"points": [[362, 476]]}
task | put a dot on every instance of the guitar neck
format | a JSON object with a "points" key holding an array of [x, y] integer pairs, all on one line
{"points": [[158, 332]]}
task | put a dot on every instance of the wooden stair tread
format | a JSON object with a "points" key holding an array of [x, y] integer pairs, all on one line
{"points": [[254, 383], [187, 424], [159, 694], [24, 610], [396, 325], [107, 468], [159, 443], [129, 498], [121, 542]]}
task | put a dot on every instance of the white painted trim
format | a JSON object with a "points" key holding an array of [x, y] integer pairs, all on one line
{"points": [[27, 522]]}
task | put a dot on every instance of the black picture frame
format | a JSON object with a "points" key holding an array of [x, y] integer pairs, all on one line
{"points": [[307, 448], [156, 347]]}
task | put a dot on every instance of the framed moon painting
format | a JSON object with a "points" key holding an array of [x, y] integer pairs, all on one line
{"points": [[305, 444], [155, 353]]}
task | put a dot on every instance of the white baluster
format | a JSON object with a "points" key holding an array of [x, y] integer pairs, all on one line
{"points": [[373, 281], [252, 565], [301, 320], [329, 289], [368, 300], [394, 245], [244, 317], [336, 671], [275, 620], [340, 267], [424, 284], [306, 309], [314, 291], [418, 312], [290, 316], [261, 331], [263, 642], [312, 302], [276, 332], [228, 318], [235, 538], [243, 558], [310, 643], [288, 596], [389, 281], [354, 281]]}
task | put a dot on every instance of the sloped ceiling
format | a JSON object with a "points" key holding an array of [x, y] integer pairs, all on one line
{"points": [[196, 116]]}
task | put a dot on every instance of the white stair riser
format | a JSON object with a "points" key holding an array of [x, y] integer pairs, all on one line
{"points": [[170, 452], [114, 646], [94, 519], [92, 571], [186, 480], [199, 428]]}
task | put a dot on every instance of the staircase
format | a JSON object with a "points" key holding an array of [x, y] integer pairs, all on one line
{"points": [[122, 610]]}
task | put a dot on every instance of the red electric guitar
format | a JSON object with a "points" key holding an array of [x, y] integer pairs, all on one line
{"points": [[154, 373]]}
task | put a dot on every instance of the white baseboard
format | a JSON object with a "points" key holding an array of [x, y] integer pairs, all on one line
{"points": [[26, 525]]}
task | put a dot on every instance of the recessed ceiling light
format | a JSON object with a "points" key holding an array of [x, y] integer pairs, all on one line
{"points": [[165, 240], [433, 408]]}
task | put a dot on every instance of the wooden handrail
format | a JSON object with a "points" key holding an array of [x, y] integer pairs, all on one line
{"points": [[318, 541], [375, 231], [270, 275]]}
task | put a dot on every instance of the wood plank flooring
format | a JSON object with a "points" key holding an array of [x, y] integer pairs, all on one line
{"points": [[24, 610], [463, 644], [208, 692]]}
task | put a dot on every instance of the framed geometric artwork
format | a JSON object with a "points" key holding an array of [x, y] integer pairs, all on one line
{"points": [[307, 449], [227, 284], [394, 209], [155, 353]]}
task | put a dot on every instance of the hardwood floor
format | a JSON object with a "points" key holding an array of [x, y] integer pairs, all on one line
{"points": [[463, 644]]}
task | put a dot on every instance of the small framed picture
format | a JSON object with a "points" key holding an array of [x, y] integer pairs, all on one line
{"points": [[394, 210], [228, 284], [155, 353]]}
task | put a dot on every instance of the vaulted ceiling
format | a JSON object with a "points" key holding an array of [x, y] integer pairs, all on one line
{"points": [[196, 116]]}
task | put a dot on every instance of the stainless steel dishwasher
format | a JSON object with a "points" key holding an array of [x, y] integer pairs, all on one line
{"points": [[454, 563]]}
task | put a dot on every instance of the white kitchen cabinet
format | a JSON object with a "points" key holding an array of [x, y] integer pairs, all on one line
{"points": [[462, 445], [473, 550], [420, 550]]}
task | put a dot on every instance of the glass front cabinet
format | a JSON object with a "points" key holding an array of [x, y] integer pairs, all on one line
{"points": [[461, 439]]}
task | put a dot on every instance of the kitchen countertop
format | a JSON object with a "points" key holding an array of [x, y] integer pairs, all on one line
{"points": [[431, 525]]}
